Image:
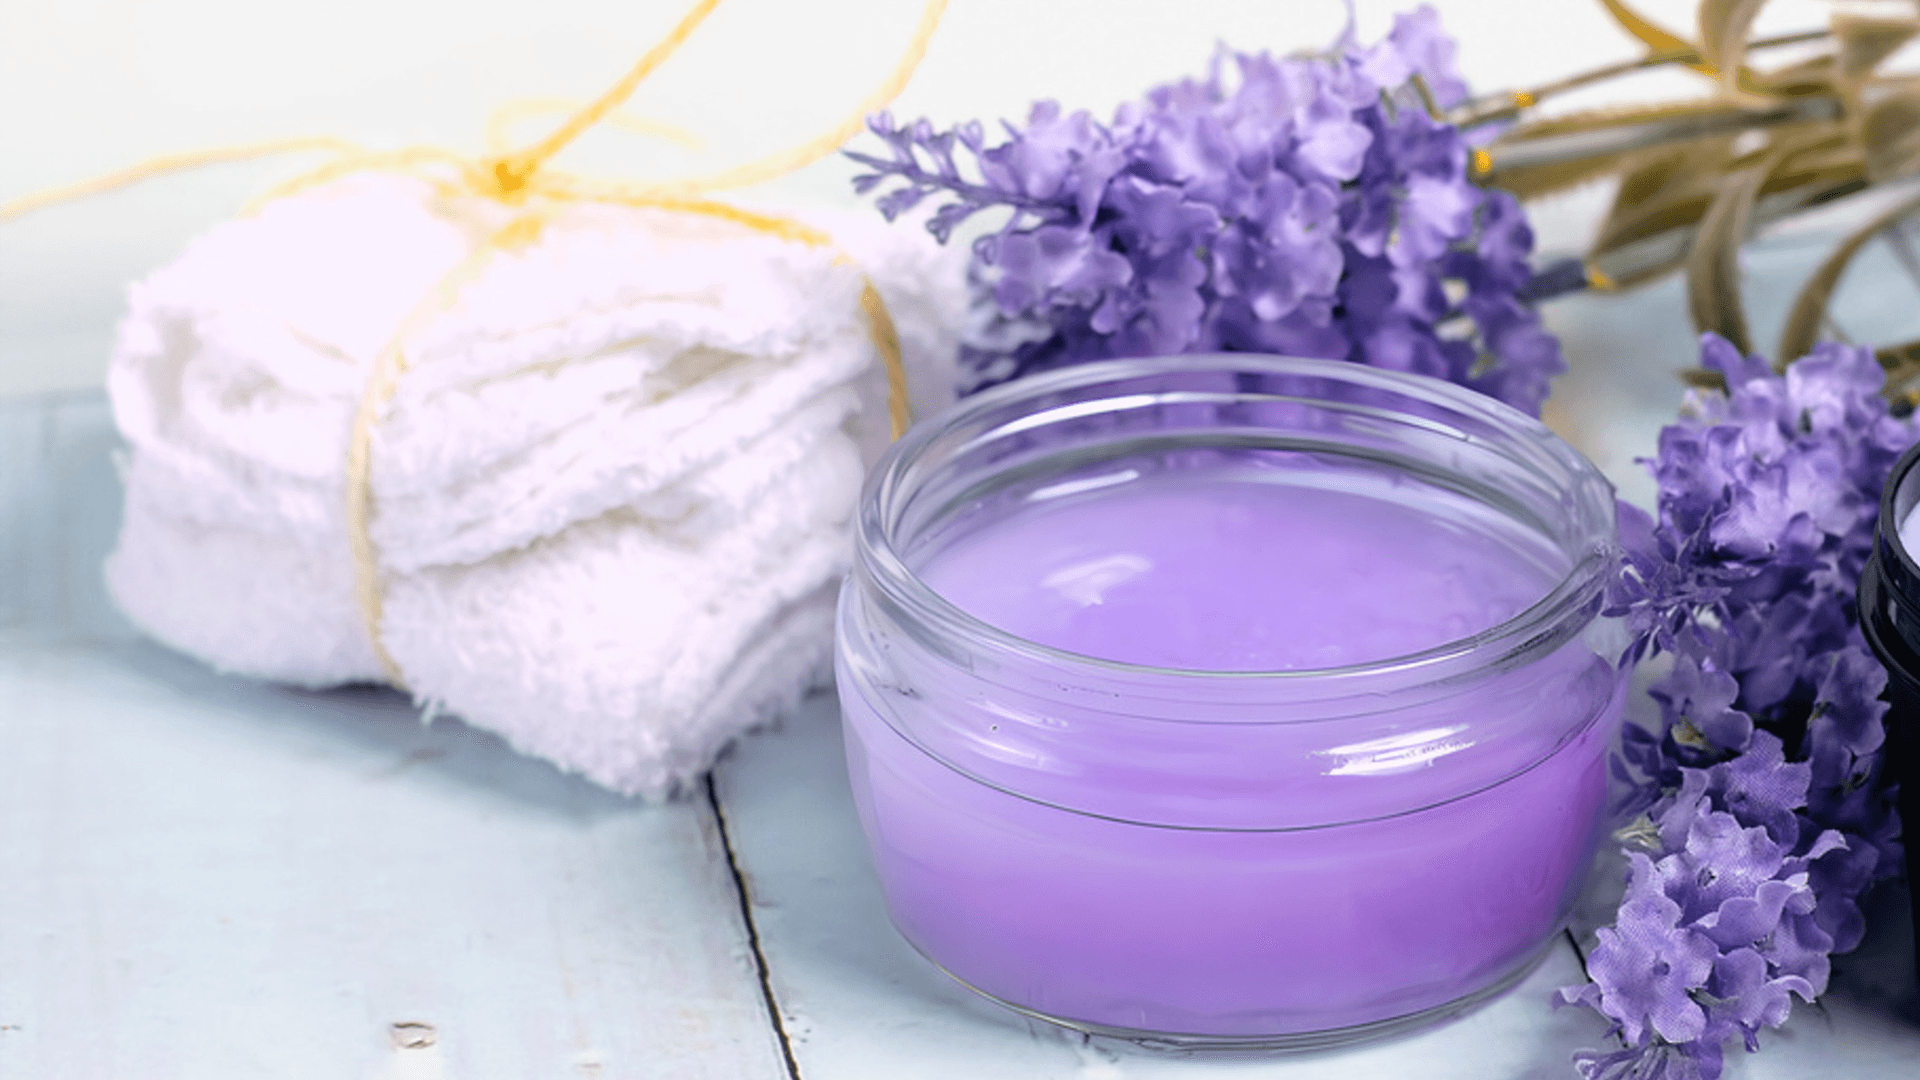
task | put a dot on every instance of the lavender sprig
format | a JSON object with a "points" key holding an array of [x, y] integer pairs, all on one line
{"points": [[1763, 813], [1307, 206]]}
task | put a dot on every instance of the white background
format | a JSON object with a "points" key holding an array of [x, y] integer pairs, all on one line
{"points": [[87, 86]]}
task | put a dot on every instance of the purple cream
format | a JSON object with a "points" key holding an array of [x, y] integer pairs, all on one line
{"points": [[1276, 754]]}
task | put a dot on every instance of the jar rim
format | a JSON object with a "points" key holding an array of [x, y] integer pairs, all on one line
{"points": [[886, 488], [1892, 493], [1888, 599]]}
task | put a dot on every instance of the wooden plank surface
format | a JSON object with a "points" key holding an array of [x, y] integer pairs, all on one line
{"points": [[59, 515]]}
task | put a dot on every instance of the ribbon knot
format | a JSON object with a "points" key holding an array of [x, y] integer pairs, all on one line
{"points": [[505, 179]]}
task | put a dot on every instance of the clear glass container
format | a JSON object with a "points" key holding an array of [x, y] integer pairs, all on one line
{"points": [[1212, 852]]}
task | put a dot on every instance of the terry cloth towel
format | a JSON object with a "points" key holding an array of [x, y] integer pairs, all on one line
{"points": [[612, 494]]}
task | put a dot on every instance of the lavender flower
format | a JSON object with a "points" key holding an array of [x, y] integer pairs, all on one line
{"points": [[1307, 206], [1763, 812]]}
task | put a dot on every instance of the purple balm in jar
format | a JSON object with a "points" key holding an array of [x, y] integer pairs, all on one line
{"points": [[1231, 700]]}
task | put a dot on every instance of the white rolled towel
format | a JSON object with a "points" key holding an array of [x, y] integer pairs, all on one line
{"points": [[612, 493]]}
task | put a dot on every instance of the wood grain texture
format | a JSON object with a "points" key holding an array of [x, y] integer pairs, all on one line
{"points": [[59, 514]]}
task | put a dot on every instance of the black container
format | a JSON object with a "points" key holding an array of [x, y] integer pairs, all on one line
{"points": [[1889, 601]]}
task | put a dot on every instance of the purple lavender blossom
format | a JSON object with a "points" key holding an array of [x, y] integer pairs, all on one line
{"points": [[1307, 206], [1765, 817]]}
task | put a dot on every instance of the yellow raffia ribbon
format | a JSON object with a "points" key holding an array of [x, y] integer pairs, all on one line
{"points": [[520, 179], [500, 123]]}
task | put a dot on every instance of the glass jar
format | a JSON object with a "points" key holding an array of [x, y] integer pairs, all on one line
{"points": [[1187, 833]]}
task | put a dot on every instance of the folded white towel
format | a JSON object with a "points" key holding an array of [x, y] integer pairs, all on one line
{"points": [[612, 492]]}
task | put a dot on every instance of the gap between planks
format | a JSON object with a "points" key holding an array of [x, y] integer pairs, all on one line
{"points": [[741, 894]]}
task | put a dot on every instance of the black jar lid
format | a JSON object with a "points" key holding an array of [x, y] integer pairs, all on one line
{"points": [[1889, 609], [1890, 589]]}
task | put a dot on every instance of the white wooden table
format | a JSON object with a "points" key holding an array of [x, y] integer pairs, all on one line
{"points": [[207, 877]]}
